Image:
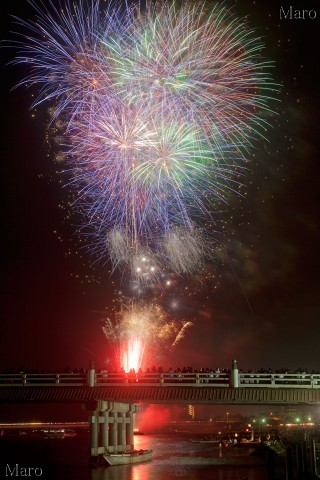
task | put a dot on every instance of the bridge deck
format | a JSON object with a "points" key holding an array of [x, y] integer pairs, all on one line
{"points": [[195, 388], [156, 394]]}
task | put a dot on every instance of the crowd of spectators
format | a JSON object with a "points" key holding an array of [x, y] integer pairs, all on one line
{"points": [[187, 375], [35, 371], [159, 370]]}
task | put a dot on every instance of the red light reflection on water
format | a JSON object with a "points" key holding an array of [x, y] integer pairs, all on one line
{"points": [[140, 472]]}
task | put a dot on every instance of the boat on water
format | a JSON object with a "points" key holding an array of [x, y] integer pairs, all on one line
{"points": [[214, 439], [53, 433], [136, 431], [70, 433], [203, 440], [243, 442], [58, 432], [248, 444], [126, 458]]}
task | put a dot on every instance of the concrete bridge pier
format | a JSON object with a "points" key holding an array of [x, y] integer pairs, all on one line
{"points": [[111, 428]]}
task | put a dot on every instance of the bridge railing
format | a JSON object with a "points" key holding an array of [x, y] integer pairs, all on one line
{"points": [[176, 378], [279, 380], [43, 379], [223, 380], [104, 379]]}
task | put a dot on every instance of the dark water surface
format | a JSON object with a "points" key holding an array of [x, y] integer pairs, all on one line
{"points": [[174, 456]]}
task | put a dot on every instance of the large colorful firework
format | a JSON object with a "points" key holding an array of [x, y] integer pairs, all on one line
{"points": [[157, 110], [154, 112]]}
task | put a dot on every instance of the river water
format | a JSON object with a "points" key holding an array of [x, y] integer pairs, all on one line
{"points": [[174, 457]]}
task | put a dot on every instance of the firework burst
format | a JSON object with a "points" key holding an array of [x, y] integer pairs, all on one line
{"points": [[154, 112], [158, 110], [137, 325]]}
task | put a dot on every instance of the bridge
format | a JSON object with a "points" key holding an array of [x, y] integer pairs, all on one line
{"points": [[196, 388], [112, 398]]}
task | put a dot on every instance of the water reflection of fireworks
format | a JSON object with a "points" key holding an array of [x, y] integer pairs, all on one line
{"points": [[137, 325]]}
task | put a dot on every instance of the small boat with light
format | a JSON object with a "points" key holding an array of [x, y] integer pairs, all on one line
{"points": [[53, 433], [214, 439], [126, 458], [204, 440], [70, 433]]}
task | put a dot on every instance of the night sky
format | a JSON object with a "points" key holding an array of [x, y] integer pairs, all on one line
{"points": [[263, 305]]}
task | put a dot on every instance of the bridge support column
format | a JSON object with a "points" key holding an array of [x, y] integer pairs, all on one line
{"points": [[105, 428], [111, 428], [94, 433], [123, 437], [113, 444], [129, 425]]}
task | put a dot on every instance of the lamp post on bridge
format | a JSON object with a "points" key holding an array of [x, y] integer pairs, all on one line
{"points": [[91, 375], [234, 378]]}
